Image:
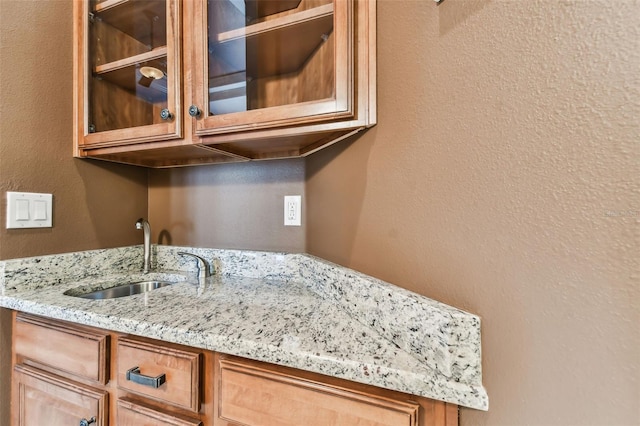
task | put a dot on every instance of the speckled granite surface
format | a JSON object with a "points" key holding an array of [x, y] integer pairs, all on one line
{"points": [[289, 309]]}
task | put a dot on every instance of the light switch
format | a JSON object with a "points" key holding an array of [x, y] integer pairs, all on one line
{"points": [[22, 209], [29, 210], [39, 210]]}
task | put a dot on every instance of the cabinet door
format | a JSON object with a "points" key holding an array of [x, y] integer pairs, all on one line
{"points": [[248, 393], [127, 67], [270, 63], [43, 399]]}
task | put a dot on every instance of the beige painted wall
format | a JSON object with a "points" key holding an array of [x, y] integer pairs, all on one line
{"points": [[236, 206], [95, 204], [503, 178]]}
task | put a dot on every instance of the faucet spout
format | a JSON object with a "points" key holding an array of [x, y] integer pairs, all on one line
{"points": [[146, 229], [205, 269]]}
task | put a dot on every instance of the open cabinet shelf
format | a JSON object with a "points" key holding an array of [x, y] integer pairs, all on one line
{"points": [[137, 18], [126, 74], [302, 32], [153, 55], [257, 9]]}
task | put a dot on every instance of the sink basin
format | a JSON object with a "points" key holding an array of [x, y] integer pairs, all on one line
{"points": [[122, 290]]}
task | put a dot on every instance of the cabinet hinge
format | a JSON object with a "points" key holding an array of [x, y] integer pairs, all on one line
{"points": [[92, 17]]}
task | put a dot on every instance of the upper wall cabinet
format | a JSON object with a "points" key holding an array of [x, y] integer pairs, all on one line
{"points": [[168, 83]]}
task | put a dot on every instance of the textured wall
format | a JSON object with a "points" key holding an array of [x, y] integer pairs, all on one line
{"points": [[227, 206], [95, 204], [503, 178]]}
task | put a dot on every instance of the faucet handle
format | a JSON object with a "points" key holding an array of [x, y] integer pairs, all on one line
{"points": [[204, 268]]}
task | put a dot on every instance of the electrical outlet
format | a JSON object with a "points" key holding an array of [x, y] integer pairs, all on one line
{"points": [[292, 210]]}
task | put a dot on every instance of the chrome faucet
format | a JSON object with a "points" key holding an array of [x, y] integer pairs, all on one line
{"points": [[205, 269], [144, 225]]}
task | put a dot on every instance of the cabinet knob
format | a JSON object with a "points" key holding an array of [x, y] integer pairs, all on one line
{"points": [[85, 422], [194, 111], [165, 114]]}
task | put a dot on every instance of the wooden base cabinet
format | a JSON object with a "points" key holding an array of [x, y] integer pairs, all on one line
{"points": [[91, 377], [65, 374]]}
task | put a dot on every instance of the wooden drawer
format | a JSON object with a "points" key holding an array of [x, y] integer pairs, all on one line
{"points": [[249, 393], [40, 398], [163, 374], [65, 349], [130, 413]]}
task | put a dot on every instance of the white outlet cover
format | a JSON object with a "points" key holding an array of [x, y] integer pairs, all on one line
{"points": [[292, 210], [29, 210]]}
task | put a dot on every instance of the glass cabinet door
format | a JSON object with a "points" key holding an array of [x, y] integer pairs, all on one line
{"points": [[132, 71], [270, 63]]}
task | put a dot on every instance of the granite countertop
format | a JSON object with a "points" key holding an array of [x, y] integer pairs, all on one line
{"points": [[288, 309]]}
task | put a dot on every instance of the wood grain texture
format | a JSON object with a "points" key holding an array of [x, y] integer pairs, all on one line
{"points": [[107, 44], [40, 398], [270, 44], [257, 9], [76, 352], [204, 387], [283, 45], [130, 413], [301, 7], [254, 393], [142, 20], [161, 155], [117, 113], [181, 368], [331, 84], [315, 81], [112, 108]]}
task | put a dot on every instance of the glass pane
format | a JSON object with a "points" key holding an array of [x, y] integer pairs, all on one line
{"points": [[268, 53], [128, 45]]}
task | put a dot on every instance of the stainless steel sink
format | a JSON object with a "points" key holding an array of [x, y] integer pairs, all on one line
{"points": [[122, 290]]}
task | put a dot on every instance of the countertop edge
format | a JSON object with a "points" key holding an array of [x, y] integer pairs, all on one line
{"points": [[465, 395]]}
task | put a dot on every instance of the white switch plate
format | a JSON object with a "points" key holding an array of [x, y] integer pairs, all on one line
{"points": [[29, 210], [292, 210]]}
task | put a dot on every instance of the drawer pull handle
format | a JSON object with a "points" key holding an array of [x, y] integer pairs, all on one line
{"points": [[133, 375], [85, 422]]}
